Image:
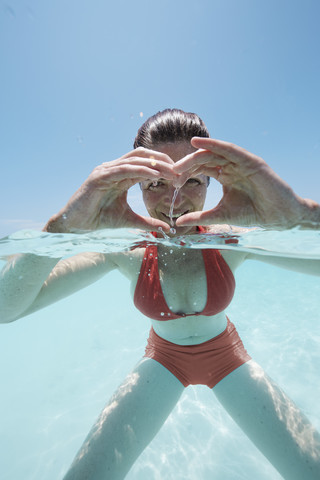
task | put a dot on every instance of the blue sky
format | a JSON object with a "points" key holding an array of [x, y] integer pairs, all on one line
{"points": [[78, 77]]}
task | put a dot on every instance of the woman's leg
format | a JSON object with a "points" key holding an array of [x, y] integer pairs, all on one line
{"points": [[128, 423], [272, 421]]}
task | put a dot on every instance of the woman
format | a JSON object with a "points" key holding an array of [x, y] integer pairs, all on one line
{"points": [[183, 291]]}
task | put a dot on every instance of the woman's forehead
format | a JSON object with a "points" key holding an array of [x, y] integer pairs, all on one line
{"points": [[176, 150]]}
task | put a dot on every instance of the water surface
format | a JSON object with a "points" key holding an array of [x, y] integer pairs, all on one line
{"points": [[59, 366]]}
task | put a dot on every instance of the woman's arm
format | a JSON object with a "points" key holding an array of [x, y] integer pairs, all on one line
{"points": [[303, 265], [30, 282], [253, 194], [101, 201]]}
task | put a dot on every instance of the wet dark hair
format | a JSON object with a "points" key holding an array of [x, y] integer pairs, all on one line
{"points": [[170, 126]]}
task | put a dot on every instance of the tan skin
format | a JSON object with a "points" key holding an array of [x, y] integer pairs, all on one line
{"points": [[252, 191], [176, 268], [253, 194], [102, 202]]}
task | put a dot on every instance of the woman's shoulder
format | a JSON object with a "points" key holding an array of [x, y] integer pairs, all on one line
{"points": [[129, 262], [229, 235], [225, 229]]}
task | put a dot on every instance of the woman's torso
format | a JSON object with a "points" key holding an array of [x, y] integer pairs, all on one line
{"points": [[183, 281]]}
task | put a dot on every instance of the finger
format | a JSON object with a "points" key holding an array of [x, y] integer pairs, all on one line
{"points": [[227, 150], [138, 172], [201, 157], [212, 172], [149, 154], [156, 164], [148, 162], [207, 217], [208, 171], [217, 146], [146, 223]]}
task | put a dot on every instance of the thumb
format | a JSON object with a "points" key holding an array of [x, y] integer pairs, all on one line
{"points": [[207, 217], [145, 223]]}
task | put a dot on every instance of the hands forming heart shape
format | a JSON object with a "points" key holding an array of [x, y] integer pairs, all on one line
{"points": [[253, 194]]}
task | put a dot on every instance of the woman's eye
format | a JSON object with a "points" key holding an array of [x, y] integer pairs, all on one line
{"points": [[155, 184], [193, 181]]}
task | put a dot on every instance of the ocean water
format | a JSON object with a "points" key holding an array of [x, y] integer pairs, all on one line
{"points": [[59, 366]]}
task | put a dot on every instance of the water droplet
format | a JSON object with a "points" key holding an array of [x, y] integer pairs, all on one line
{"points": [[160, 229], [162, 314]]}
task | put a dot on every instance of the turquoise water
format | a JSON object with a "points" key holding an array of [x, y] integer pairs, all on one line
{"points": [[60, 365]]}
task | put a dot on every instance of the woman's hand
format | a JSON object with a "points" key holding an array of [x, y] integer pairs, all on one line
{"points": [[253, 194], [101, 202]]}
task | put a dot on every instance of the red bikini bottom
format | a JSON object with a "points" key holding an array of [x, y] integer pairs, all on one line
{"points": [[206, 363]]}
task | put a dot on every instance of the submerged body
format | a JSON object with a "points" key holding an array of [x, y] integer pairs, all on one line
{"points": [[195, 349], [184, 292]]}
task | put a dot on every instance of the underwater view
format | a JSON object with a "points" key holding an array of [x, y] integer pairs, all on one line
{"points": [[60, 366], [96, 98]]}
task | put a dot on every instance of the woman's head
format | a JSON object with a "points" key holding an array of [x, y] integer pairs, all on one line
{"points": [[170, 126], [170, 132]]}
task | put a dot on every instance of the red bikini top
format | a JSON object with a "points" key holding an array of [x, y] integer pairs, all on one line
{"points": [[149, 298]]}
